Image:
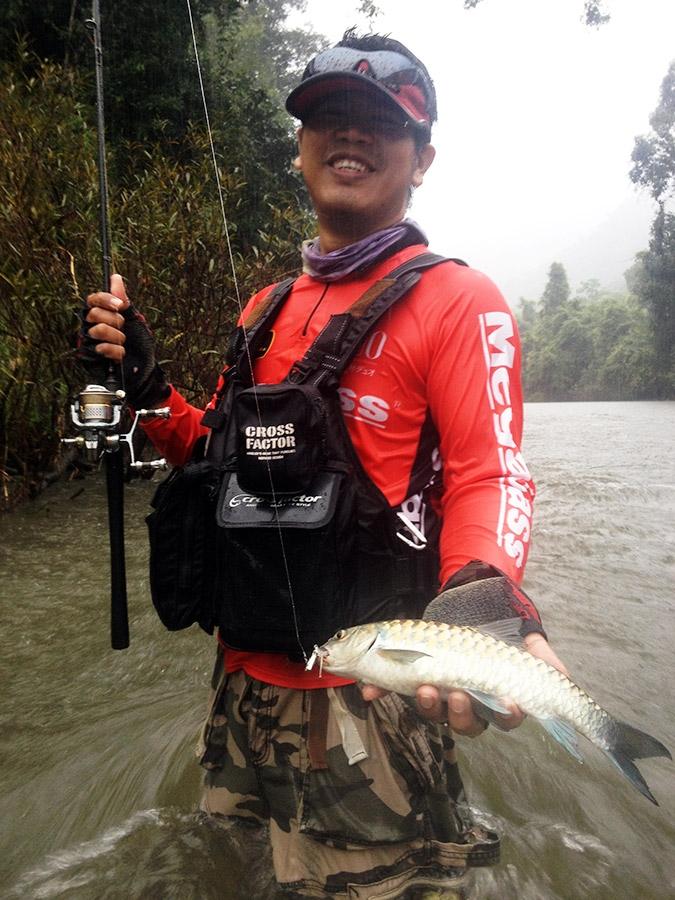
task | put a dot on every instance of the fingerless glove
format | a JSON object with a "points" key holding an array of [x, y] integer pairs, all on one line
{"points": [[479, 593], [145, 383]]}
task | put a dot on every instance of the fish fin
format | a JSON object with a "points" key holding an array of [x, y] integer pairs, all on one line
{"points": [[564, 734], [627, 767], [506, 630], [402, 654], [628, 744], [489, 704], [636, 744]]}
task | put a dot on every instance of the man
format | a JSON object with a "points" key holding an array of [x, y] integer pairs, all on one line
{"points": [[360, 789]]}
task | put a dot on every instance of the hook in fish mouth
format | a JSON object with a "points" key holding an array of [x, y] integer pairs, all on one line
{"points": [[319, 653]]}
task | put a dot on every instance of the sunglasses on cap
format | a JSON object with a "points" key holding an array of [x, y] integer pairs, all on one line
{"points": [[393, 75]]}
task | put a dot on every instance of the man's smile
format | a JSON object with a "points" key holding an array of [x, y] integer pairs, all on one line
{"points": [[349, 163]]}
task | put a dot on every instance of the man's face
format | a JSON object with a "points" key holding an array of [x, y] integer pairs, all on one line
{"points": [[359, 161]]}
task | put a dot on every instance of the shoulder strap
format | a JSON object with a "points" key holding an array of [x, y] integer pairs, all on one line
{"points": [[244, 343], [336, 345], [247, 338], [423, 261]]}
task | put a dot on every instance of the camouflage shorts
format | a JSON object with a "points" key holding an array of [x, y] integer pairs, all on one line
{"points": [[363, 800]]}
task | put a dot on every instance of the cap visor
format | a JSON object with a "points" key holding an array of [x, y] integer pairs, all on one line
{"points": [[316, 88]]}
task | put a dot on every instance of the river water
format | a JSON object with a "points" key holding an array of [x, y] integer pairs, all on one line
{"points": [[99, 783]]}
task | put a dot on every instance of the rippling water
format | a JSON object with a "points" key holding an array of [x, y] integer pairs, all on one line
{"points": [[98, 781]]}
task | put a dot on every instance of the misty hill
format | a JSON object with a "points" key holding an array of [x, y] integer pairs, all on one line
{"points": [[604, 253]]}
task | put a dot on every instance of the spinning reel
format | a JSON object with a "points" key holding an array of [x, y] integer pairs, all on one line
{"points": [[96, 414]]}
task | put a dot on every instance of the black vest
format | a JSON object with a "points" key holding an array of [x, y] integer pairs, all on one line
{"points": [[306, 543], [276, 534]]}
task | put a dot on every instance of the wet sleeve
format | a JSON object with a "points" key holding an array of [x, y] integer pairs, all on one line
{"points": [[175, 437], [475, 396]]}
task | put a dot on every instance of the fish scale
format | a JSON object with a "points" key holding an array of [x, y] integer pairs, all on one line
{"points": [[399, 655], [473, 660]]}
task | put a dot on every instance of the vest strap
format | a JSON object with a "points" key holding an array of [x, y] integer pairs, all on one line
{"points": [[336, 345]]}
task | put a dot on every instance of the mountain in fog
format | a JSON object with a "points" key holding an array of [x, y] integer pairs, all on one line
{"points": [[603, 253]]}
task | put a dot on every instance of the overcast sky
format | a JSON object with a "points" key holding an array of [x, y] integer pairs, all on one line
{"points": [[537, 119]]}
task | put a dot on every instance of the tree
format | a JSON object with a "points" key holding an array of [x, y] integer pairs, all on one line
{"points": [[557, 290], [623, 365], [654, 154], [150, 75], [371, 12], [593, 11], [54, 29], [593, 346], [149, 67], [653, 276], [257, 42], [652, 279], [589, 290]]}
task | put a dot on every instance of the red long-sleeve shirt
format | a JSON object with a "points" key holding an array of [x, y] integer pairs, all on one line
{"points": [[449, 348]]}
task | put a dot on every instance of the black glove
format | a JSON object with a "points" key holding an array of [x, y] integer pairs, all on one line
{"points": [[480, 593], [144, 381]]}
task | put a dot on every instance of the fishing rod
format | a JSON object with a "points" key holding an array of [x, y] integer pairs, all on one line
{"points": [[97, 411]]}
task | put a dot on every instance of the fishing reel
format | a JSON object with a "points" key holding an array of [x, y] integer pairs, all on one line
{"points": [[96, 414]]}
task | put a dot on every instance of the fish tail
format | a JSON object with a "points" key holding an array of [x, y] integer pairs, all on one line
{"points": [[626, 744]]}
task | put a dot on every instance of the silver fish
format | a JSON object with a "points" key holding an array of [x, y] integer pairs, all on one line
{"points": [[487, 663]]}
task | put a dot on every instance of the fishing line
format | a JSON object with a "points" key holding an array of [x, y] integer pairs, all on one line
{"points": [[275, 505]]}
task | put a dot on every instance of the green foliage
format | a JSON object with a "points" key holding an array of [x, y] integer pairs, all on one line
{"points": [[653, 277], [654, 154], [173, 250], [167, 229], [151, 84], [557, 290], [256, 44], [47, 205], [653, 281], [608, 347], [595, 346], [168, 238], [54, 29], [146, 49], [594, 14]]}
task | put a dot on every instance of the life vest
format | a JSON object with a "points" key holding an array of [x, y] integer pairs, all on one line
{"points": [[306, 543]]}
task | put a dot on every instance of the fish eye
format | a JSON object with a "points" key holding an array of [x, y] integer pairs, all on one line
{"points": [[340, 634]]}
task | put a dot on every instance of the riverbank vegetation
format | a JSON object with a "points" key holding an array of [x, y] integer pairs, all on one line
{"points": [[607, 346], [591, 346], [168, 235]]}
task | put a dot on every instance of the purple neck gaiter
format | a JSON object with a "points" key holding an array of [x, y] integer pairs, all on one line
{"points": [[358, 257]]}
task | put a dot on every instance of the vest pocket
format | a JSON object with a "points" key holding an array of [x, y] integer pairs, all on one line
{"points": [[182, 535], [280, 437], [286, 564]]}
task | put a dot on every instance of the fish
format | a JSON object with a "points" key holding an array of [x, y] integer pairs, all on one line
{"points": [[487, 663]]}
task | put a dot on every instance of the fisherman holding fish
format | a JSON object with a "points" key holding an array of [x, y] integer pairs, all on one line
{"points": [[366, 433]]}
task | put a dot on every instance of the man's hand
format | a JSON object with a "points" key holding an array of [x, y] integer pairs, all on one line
{"points": [[105, 323], [459, 713], [113, 329]]}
